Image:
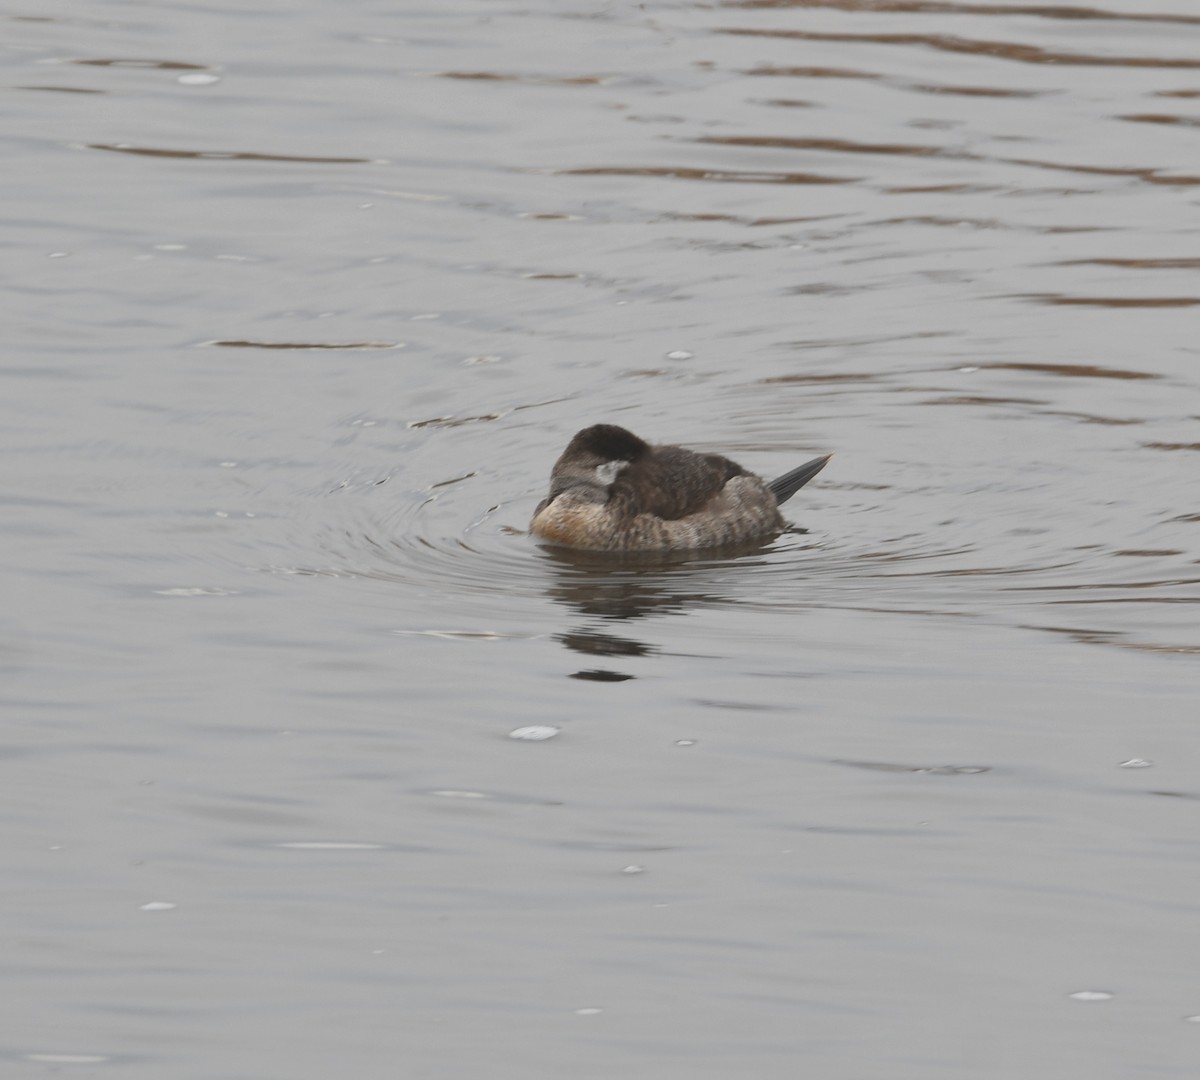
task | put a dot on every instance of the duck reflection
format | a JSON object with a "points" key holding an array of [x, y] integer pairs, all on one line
{"points": [[602, 586], [623, 590], [598, 643]]}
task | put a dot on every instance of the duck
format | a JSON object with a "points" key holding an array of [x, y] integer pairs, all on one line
{"points": [[612, 491]]}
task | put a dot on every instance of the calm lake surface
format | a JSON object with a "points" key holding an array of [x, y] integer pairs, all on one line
{"points": [[304, 300]]}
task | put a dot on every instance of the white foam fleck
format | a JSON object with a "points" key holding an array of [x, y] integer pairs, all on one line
{"points": [[195, 592], [534, 732]]}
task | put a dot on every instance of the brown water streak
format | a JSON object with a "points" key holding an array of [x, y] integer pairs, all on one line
{"points": [[304, 344], [942, 7], [1003, 50], [539, 80], [1151, 176], [847, 377], [980, 399], [220, 155], [1161, 118], [1112, 301], [811, 72], [1135, 264], [161, 65], [1078, 371], [978, 91], [723, 176], [835, 145]]}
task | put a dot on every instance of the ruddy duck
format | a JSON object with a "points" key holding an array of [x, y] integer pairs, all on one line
{"points": [[610, 491]]}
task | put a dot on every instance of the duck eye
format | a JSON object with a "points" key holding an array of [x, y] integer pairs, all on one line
{"points": [[609, 471]]}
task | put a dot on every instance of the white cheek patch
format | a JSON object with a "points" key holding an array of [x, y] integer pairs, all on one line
{"points": [[609, 471]]}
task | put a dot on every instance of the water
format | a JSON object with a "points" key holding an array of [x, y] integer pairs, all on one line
{"points": [[303, 305]]}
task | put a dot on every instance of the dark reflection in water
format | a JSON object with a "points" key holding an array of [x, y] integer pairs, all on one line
{"points": [[623, 597], [634, 585], [601, 675]]}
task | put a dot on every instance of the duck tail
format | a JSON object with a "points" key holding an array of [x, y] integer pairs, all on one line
{"points": [[785, 486]]}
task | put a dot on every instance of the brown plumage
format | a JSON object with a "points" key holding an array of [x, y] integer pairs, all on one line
{"points": [[611, 491]]}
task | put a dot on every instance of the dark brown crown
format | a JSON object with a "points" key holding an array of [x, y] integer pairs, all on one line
{"points": [[609, 443]]}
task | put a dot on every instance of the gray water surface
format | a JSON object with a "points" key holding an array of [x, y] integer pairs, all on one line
{"points": [[305, 299]]}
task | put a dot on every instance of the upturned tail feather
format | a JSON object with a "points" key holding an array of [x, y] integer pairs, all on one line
{"points": [[785, 486]]}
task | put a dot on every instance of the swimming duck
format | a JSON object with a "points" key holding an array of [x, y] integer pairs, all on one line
{"points": [[611, 491]]}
